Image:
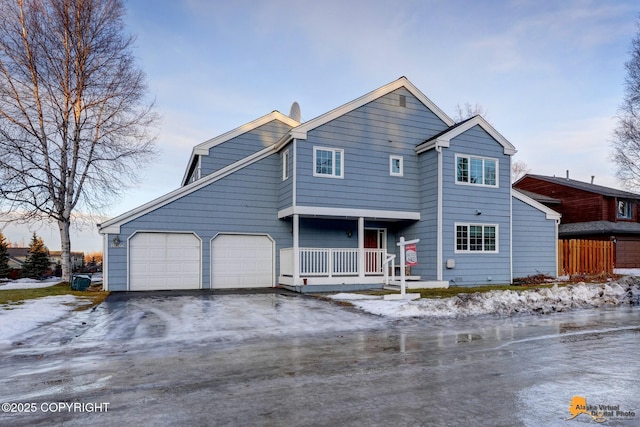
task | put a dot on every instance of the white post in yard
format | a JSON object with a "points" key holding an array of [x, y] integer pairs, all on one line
{"points": [[402, 268], [402, 244]]}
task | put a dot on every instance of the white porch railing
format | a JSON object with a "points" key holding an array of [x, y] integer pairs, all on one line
{"points": [[330, 262]]}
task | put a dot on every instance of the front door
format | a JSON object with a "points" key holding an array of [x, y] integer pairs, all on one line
{"points": [[374, 238]]}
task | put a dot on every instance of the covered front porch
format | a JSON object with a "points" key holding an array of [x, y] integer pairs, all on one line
{"points": [[345, 253], [337, 266]]}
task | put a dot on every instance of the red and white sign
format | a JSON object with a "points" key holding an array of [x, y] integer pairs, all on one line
{"points": [[411, 255]]}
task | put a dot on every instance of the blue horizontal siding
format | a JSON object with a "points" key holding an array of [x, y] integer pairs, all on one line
{"points": [[462, 202], [285, 187], [368, 136], [242, 146], [243, 202], [534, 242]]}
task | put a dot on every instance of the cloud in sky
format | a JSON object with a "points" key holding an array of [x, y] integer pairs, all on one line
{"points": [[550, 74]]}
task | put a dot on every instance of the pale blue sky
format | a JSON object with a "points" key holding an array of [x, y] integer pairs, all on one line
{"points": [[549, 73]]}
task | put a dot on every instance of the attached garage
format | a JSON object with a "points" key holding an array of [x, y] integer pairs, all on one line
{"points": [[164, 261], [627, 252], [242, 261]]}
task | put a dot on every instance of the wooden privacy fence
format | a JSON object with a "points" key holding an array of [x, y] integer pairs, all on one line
{"points": [[585, 257]]}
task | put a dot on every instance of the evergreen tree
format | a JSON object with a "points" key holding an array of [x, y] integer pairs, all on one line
{"points": [[37, 262], [4, 257]]}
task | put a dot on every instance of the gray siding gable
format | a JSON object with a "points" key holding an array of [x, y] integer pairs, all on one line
{"points": [[266, 136], [242, 146], [369, 135]]}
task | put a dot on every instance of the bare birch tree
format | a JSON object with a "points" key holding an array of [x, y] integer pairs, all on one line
{"points": [[466, 111], [518, 170], [626, 137], [75, 120]]}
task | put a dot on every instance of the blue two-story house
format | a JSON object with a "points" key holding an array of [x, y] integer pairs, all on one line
{"points": [[321, 205]]}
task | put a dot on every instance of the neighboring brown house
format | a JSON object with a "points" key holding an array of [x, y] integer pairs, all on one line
{"points": [[592, 212]]}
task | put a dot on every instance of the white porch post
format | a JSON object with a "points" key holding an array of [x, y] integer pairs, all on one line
{"points": [[296, 249], [361, 260]]}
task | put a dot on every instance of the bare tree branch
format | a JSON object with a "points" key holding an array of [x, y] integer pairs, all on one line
{"points": [[626, 137], [75, 121]]}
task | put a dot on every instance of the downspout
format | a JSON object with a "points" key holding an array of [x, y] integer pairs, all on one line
{"points": [[510, 229], [296, 218], [294, 173], [556, 247], [439, 217]]}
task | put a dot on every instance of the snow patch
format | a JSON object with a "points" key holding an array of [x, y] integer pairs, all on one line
{"points": [[535, 301], [29, 283], [16, 319]]}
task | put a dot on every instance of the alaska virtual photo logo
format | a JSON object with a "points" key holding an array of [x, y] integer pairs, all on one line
{"points": [[598, 413]]}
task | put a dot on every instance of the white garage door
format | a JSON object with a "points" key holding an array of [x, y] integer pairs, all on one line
{"points": [[242, 261], [159, 261]]}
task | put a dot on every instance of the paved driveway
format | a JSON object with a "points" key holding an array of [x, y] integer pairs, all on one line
{"points": [[282, 359]]}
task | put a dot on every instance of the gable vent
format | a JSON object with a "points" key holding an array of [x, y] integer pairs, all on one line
{"points": [[403, 100]]}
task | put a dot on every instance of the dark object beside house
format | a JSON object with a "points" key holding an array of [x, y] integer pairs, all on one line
{"points": [[80, 282]]}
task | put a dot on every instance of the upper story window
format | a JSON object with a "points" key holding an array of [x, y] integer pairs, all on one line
{"points": [[328, 162], [476, 238], [285, 165], [625, 209], [476, 170], [396, 166]]}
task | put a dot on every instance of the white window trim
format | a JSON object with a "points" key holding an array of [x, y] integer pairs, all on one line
{"points": [[469, 251], [334, 151], [468, 156], [391, 159], [285, 165]]}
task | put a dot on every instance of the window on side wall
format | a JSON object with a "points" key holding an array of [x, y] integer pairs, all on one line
{"points": [[328, 162], [625, 209], [285, 165], [476, 170], [396, 166], [472, 238]]}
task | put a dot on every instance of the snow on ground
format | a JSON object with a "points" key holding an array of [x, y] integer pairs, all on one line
{"points": [[627, 271], [29, 283], [541, 301], [16, 319]]}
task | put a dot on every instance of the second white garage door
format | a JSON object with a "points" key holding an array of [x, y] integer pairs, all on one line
{"points": [[164, 261], [242, 261]]}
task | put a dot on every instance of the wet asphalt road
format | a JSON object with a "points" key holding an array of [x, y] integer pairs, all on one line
{"points": [[287, 360]]}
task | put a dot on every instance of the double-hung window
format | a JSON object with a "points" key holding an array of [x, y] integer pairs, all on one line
{"points": [[476, 238], [476, 171], [328, 162]]}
